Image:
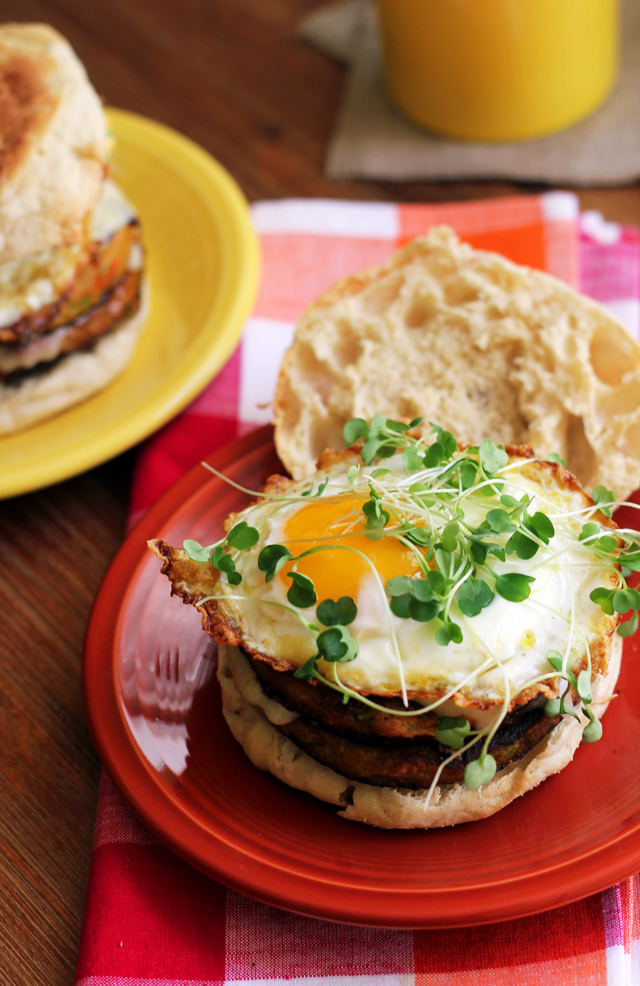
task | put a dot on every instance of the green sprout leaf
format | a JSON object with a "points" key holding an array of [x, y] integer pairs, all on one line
{"points": [[424, 589], [628, 627], [377, 425], [625, 599], [541, 525], [271, 560], [301, 593], [435, 455], [631, 561], [492, 457], [500, 521], [479, 772], [508, 501], [337, 612], [603, 598], [307, 670], [589, 531], [376, 517], [417, 535], [603, 498], [400, 605], [446, 441], [522, 545], [354, 430], [474, 595], [592, 732], [242, 536], [479, 552], [436, 580], [422, 611], [449, 633], [452, 731], [552, 707], [352, 473], [382, 438], [583, 686], [449, 536], [320, 490], [412, 599], [197, 551], [225, 563], [468, 473], [514, 586], [412, 459], [555, 659], [401, 585], [337, 645]]}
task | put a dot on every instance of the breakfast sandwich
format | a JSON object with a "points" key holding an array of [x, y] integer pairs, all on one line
{"points": [[421, 630], [71, 255]]}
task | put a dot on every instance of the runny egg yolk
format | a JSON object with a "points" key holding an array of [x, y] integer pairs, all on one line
{"points": [[336, 572]]}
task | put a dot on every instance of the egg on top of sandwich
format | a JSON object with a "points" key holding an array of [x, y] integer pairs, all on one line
{"points": [[421, 631], [71, 256]]}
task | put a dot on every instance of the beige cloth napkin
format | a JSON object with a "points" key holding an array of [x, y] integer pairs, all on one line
{"points": [[372, 140]]}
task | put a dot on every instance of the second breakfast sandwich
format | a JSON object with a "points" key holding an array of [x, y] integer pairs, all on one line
{"points": [[71, 257]]}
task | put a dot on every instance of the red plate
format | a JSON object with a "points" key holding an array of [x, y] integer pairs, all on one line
{"points": [[153, 705]]}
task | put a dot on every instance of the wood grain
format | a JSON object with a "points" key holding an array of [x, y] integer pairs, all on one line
{"points": [[232, 75]]}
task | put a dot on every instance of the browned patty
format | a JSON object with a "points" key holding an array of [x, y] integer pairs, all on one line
{"points": [[385, 749], [118, 303], [312, 699], [101, 267], [104, 292]]}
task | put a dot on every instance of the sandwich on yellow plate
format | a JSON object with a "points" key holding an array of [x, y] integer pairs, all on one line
{"points": [[71, 256], [419, 629]]}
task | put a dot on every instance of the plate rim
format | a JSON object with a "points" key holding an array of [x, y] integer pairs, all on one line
{"points": [[390, 908], [36, 474]]}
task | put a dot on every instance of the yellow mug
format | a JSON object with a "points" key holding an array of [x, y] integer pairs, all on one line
{"points": [[499, 69]]}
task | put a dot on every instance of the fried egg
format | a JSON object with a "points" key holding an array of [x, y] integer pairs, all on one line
{"points": [[503, 651]]}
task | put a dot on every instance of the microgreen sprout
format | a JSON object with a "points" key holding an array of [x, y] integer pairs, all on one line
{"points": [[311, 492], [580, 684], [469, 524], [335, 643], [241, 538]]}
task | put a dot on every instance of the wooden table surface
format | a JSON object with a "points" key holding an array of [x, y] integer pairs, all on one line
{"points": [[233, 76]]}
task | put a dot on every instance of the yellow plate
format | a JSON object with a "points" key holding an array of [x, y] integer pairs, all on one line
{"points": [[203, 264]]}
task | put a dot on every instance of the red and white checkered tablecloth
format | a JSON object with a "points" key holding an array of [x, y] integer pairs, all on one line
{"points": [[150, 919]]}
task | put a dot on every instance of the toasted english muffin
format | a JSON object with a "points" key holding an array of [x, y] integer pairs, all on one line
{"points": [[471, 341], [53, 142]]}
